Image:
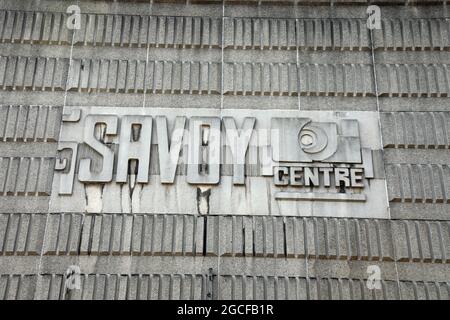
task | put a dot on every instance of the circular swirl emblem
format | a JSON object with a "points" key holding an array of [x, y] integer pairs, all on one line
{"points": [[313, 139]]}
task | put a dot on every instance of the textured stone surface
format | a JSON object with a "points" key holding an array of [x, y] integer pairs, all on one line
{"points": [[260, 55]]}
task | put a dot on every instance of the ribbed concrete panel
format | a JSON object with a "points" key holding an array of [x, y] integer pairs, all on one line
{"points": [[152, 76], [137, 31], [336, 80], [21, 233], [238, 236], [17, 287], [303, 2], [425, 290], [412, 34], [326, 238], [118, 234], [109, 75], [29, 123], [290, 34], [108, 287], [424, 241], [26, 176], [419, 183], [34, 27], [277, 237], [33, 73], [203, 32], [186, 286], [413, 80], [289, 79], [111, 30], [128, 287], [299, 288], [416, 130]]}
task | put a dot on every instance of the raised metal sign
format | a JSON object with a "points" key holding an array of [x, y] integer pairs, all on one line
{"points": [[220, 162]]}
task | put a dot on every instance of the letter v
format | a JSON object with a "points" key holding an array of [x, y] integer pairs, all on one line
{"points": [[168, 155]]}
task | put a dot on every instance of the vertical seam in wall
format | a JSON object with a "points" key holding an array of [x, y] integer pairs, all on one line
{"points": [[221, 108], [60, 130], [374, 70], [307, 284], [297, 59], [68, 71], [222, 58], [147, 55], [39, 274]]}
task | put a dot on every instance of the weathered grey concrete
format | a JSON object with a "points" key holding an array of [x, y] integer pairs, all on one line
{"points": [[263, 59]]}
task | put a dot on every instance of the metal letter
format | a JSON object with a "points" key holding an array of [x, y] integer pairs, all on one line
{"points": [[238, 144], [280, 176], [66, 179], [135, 143], [356, 176], [168, 155], [296, 176], [341, 174], [204, 143], [311, 176], [105, 175], [326, 176]]}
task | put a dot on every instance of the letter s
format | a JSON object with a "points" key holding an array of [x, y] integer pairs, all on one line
{"points": [[105, 175]]}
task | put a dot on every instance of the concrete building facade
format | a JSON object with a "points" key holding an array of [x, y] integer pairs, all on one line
{"points": [[224, 150]]}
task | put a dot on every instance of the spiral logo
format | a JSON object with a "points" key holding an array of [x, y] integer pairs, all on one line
{"points": [[313, 139]]}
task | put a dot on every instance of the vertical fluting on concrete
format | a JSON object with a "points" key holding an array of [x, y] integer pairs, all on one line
{"points": [[414, 242], [381, 142], [39, 287]]}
